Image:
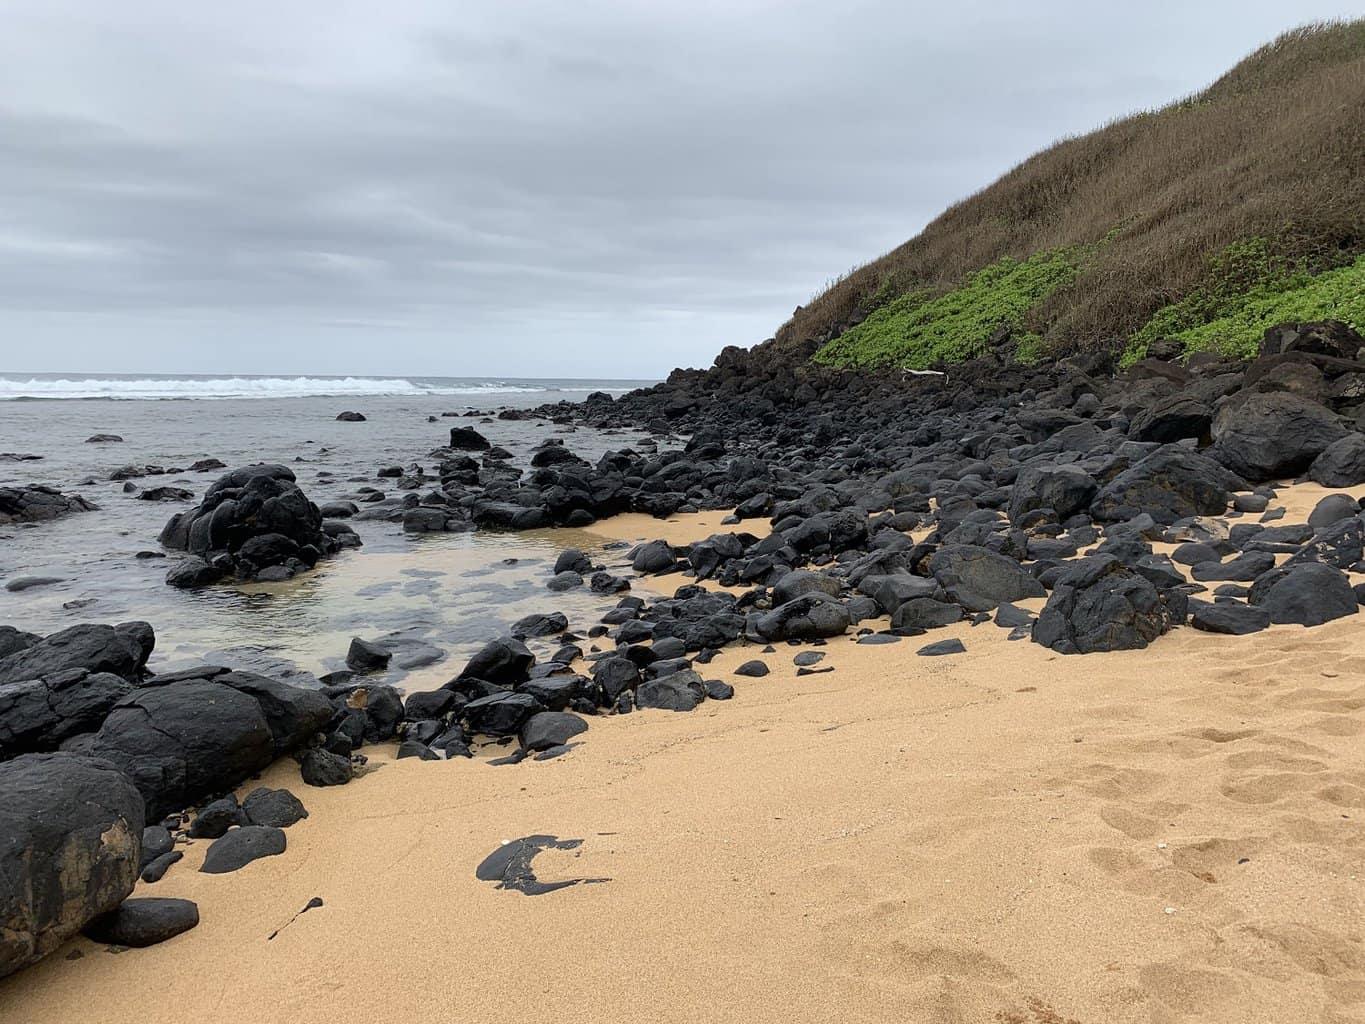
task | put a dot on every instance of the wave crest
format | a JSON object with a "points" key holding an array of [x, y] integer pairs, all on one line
{"points": [[245, 387]]}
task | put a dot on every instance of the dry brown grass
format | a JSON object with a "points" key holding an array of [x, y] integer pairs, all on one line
{"points": [[1274, 148]]}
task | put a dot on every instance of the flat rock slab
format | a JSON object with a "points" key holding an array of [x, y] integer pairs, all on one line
{"points": [[941, 648], [510, 866], [879, 638], [143, 922], [241, 846]]}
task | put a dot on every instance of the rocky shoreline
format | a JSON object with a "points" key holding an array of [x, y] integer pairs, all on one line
{"points": [[1076, 507]]}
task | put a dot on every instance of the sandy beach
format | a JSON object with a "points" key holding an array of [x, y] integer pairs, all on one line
{"points": [[1004, 835]]}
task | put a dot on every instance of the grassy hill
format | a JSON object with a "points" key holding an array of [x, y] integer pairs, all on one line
{"points": [[1204, 221]]}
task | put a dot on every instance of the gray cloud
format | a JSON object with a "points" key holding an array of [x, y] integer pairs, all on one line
{"points": [[488, 188]]}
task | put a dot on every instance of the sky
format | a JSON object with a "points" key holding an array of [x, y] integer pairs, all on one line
{"points": [[520, 189]]}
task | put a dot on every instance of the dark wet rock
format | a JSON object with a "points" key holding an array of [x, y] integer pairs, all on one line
{"points": [[320, 767], [350, 417], [800, 582], [365, 656], [250, 520], [562, 581], [165, 494], [293, 714], [216, 818], [430, 704], [121, 650], [277, 808], [1012, 617], [1228, 617], [538, 625], [879, 639], [192, 572], [942, 647], [103, 439], [753, 669], [980, 579], [241, 846], [143, 921], [655, 556], [1333, 509], [615, 675], [38, 714], [717, 690], [572, 560], [1102, 605], [184, 741], [1172, 419], [1341, 463], [155, 869], [1169, 484], [1067, 489], [37, 503], [500, 714], [467, 439], [156, 842], [548, 729], [1244, 568], [813, 615], [70, 845], [1308, 594], [504, 661], [414, 748], [18, 584], [925, 613], [681, 691], [1262, 436], [1341, 544]]}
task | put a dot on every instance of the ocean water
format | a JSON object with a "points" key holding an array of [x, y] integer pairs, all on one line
{"points": [[454, 591]]}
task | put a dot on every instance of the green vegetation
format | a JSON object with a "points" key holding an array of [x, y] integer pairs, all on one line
{"points": [[921, 328], [1249, 288], [1274, 149]]}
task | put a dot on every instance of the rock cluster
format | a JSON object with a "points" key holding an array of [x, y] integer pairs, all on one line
{"points": [[253, 523]]}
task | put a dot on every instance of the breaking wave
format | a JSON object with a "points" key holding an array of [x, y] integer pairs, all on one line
{"points": [[12, 389]]}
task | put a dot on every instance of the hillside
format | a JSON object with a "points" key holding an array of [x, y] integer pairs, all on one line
{"points": [[1204, 222]]}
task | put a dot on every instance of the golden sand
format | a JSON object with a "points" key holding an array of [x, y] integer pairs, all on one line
{"points": [[1007, 835]]}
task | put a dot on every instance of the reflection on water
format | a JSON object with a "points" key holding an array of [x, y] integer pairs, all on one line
{"points": [[454, 591]]}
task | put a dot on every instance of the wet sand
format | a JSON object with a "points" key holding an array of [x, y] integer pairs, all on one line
{"points": [[1007, 835]]}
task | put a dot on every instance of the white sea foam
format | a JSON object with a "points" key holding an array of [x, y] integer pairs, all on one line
{"points": [[255, 387]]}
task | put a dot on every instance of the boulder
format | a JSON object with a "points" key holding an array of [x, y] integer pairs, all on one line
{"points": [[1229, 617], [1171, 483], [809, 617], [121, 650], [467, 439], [1102, 605], [38, 714], [70, 850], [184, 741], [681, 691], [144, 921], [1308, 594], [253, 519], [37, 504], [980, 579], [1341, 463], [548, 729], [1068, 489], [241, 846], [319, 767], [1266, 436], [277, 808], [504, 661]]}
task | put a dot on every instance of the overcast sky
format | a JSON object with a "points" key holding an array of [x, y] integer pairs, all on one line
{"points": [[529, 189]]}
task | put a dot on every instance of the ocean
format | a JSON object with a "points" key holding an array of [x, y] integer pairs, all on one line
{"points": [[451, 590]]}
